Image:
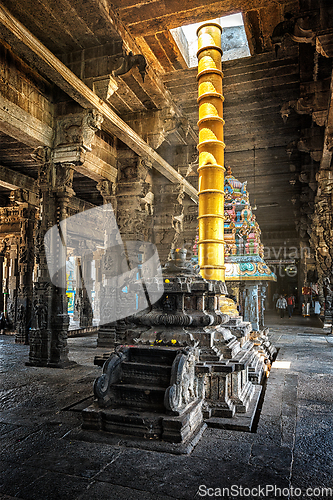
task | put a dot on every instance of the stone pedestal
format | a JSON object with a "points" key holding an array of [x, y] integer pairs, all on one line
{"points": [[187, 317], [148, 392]]}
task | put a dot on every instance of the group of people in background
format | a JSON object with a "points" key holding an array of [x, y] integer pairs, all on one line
{"points": [[285, 303]]}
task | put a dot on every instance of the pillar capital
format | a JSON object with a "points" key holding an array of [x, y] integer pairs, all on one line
{"points": [[107, 190]]}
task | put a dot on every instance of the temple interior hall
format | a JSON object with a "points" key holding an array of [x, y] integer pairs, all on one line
{"points": [[166, 246]]}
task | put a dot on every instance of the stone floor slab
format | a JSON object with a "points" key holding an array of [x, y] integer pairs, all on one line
{"points": [[41, 460]]}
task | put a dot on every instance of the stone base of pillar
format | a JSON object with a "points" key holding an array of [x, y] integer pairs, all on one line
{"points": [[61, 364], [145, 425], [217, 401], [107, 336], [42, 353]]}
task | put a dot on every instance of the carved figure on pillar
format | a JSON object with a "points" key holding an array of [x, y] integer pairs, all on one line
{"points": [[25, 269], [134, 191]]}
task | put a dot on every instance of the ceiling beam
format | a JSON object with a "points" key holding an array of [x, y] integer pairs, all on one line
{"points": [[12, 180], [145, 18], [25, 128], [22, 126], [26, 45]]}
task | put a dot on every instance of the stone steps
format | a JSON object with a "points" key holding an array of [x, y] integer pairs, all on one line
{"points": [[143, 379], [155, 374], [158, 356], [143, 397]]}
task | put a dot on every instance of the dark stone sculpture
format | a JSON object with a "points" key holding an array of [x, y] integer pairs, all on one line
{"points": [[129, 61]]}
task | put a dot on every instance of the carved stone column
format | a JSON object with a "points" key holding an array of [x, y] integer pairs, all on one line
{"points": [[48, 340], [73, 138], [40, 333], [132, 202], [98, 285], [262, 297], [321, 242], [25, 270], [12, 281], [251, 309], [63, 191], [10, 236], [107, 331], [108, 192], [168, 218], [84, 294], [2, 258], [135, 198]]}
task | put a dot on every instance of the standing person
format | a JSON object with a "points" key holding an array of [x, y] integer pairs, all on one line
{"points": [[317, 307], [2, 323], [290, 304], [281, 305], [275, 297]]}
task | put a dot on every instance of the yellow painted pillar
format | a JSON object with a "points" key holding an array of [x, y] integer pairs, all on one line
{"points": [[211, 153]]}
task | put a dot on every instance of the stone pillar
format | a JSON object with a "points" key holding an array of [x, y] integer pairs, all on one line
{"points": [[73, 138], [59, 315], [168, 218], [107, 331], [132, 203], [25, 270], [251, 309], [135, 198], [108, 192], [84, 293], [2, 257], [12, 281], [97, 283], [4, 273], [16, 227], [40, 335], [262, 297], [48, 340]]}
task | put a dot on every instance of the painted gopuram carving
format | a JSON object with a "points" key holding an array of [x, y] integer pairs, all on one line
{"points": [[244, 253]]}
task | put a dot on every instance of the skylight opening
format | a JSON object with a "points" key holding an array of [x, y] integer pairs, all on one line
{"points": [[234, 39]]}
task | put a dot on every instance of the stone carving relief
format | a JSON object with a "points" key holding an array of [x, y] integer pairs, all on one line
{"points": [[106, 188], [19, 196], [64, 176], [128, 61], [185, 387], [297, 30], [78, 129]]}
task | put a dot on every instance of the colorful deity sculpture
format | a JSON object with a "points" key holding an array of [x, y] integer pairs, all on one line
{"points": [[241, 230], [246, 273]]}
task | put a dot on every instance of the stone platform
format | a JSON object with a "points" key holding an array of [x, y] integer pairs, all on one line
{"points": [[149, 393]]}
